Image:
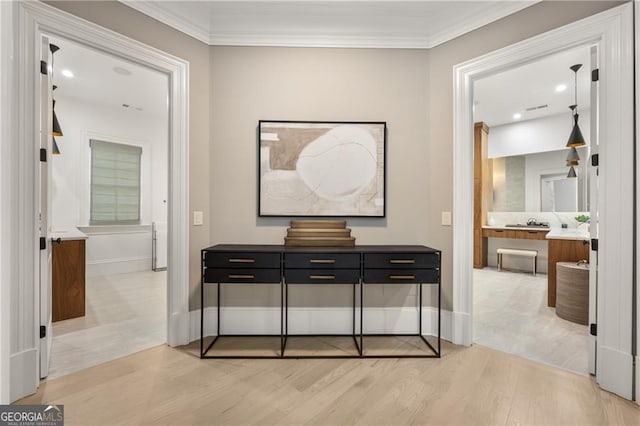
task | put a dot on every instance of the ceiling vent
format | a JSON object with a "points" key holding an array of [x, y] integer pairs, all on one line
{"points": [[533, 108]]}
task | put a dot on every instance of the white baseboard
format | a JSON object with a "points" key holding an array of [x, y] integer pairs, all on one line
{"points": [[615, 371], [179, 328], [118, 266], [23, 374], [261, 320], [461, 328]]}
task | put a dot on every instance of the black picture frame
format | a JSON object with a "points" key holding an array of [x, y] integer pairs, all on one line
{"points": [[322, 168]]}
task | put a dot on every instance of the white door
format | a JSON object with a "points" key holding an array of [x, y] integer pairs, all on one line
{"points": [[593, 206], [46, 123]]}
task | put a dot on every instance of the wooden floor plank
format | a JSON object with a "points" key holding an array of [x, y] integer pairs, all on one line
{"points": [[475, 385]]}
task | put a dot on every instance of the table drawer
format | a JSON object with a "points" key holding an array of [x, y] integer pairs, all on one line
{"points": [[400, 260], [400, 276], [322, 260], [242, 260], [322, 276], [237, 275]]}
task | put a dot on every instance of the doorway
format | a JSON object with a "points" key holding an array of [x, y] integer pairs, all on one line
{"points": [[611, 31], [37, 19], [525, 194], [108, 199]]}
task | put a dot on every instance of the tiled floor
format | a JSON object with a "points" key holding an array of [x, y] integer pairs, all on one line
{"points": [[125, 313], [510, 314]]}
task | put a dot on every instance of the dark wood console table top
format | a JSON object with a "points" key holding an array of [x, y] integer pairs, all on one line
{"points": [[358, 266]]}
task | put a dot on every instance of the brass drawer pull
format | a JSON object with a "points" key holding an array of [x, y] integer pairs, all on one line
{"points": [[402, 277], [322, 261], [322, 277], [239, 277], [242, 261], [402, 261]]}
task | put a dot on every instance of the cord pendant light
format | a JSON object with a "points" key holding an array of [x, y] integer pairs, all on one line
{"points": [[572, 173], [55, 150], [575, 138], [57, 130], [573, 158]]}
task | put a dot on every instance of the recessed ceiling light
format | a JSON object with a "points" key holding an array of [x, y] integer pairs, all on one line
{"points": [[561, 88], [121, 71], [517, 116], [67, 73]]}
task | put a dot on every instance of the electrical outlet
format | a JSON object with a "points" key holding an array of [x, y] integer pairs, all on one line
{"points": [[446, 218], [198, 218]]}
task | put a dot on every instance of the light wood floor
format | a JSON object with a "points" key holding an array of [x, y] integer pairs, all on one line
{"points": [[510, 313], [475, 386], [125, 313]]}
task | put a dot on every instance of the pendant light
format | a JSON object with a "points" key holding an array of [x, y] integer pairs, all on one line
{"points": [[572, 173], [57, 130], [576, 138], [573, 158], [55, 150]]}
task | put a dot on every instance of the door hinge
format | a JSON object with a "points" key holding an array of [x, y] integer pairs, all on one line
{"points": [[594, 244], [595, 160], [43, 243], [43, 68], [593, 329], [595, 74], [43, 331], [43, 155]]}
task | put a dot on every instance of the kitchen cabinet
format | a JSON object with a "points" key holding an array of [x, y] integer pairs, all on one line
{"points": [[68, 281]]}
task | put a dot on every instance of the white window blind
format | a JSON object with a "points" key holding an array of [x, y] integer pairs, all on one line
{"points": [[115, 183]]}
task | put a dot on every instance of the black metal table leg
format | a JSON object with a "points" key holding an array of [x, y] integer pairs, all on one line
{"points": [[202, 307], [420, 310], [281, 318]]}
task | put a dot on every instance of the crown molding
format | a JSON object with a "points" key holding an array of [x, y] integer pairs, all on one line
{"points": [[204, 33], [493, 13], [160, 13]]}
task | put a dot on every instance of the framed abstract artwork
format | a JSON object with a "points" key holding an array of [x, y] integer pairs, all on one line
{"points": [[321, 169]]}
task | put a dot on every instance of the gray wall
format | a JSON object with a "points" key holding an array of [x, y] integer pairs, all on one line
{"points": [[231, 88]]}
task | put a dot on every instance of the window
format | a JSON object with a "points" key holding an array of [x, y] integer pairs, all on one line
{"points": [[115, 183]]}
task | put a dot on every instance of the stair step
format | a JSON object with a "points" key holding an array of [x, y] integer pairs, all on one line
{"points": [[317, 232], [319, 224], [319, 241]]}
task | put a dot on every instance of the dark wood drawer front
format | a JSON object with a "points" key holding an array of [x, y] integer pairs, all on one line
{"points": [[236, 275], [242, 260], [322, 276], [399, 276], [400, 260], [322, 260]]}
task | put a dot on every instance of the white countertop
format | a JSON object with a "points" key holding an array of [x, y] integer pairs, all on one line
{"points": [[68, 234], [515, 228], [568, 234]]}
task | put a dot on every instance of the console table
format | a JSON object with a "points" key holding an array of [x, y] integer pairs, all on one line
{"points": [[359, 266]]}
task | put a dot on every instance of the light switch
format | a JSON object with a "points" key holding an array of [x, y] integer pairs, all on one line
{"points": [[197, 218], [446, 218]]}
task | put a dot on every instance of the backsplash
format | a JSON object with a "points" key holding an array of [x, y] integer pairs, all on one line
{"points": [[555, 220]]}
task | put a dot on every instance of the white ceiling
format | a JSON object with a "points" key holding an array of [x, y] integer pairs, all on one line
{"points": [[333, 23], [145, 91], [497, 98]]}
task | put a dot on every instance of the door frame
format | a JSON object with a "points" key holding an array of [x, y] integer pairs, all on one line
{"points": [[35, 19], [611, 31]]}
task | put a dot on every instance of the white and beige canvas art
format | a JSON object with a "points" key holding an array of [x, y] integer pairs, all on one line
{"points": [[322, 169]]}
